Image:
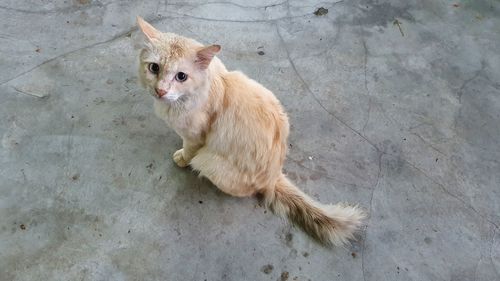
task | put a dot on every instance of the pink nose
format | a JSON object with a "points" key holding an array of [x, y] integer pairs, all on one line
{"points": [[160, 92]]}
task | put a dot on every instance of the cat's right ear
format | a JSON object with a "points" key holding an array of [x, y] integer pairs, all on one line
{"points": [[148, 30]]}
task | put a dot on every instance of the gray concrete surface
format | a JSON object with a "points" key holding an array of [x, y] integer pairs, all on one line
{"points": [[407, 126]]}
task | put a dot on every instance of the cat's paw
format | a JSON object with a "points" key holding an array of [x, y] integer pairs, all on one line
{"points": [[179, 158]]}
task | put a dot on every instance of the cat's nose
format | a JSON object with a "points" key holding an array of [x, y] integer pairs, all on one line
{"points": [[160, 92]]}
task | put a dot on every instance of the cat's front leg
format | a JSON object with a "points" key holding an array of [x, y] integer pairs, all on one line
{"points": [[183, 156]]}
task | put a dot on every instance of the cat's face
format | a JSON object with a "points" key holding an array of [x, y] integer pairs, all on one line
{"points": [[174, 68]]}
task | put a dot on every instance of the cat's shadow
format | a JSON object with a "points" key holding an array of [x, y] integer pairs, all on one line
{"points": [[188, 191], [195, 204]]}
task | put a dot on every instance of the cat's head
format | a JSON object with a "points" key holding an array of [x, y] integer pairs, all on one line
{"points": [[174, 68]]}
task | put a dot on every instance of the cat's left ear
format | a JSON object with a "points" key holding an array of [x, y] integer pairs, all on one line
{"points": [[148, 30], [205, 55]]}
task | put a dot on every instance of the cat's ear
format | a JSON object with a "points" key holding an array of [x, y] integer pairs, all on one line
{"points": [[151, 33], [205, 55]]}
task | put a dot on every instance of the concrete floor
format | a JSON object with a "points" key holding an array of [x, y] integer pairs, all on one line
{"points": [[406, 126]]}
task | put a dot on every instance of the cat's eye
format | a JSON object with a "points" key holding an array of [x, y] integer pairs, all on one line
{"points": [[154, 68], [181, 76]]}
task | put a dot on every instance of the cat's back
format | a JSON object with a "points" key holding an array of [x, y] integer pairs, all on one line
{"points": [[242, 91], [251, 119]]}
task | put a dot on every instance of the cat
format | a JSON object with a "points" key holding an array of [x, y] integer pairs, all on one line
{"points": [[234, 131]]}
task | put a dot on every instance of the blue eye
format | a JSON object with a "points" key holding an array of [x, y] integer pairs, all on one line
{"points": [[154, 68], [181, 76]]}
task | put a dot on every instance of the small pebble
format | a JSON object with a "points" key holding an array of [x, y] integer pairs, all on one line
{"points": [[267, 268]]}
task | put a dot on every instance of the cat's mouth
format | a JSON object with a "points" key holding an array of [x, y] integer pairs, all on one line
{"points": [[170, 96]]}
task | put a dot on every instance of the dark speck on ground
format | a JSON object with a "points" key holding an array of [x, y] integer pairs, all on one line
{"points": [[267, 269], [284, 276], [321, 11]]}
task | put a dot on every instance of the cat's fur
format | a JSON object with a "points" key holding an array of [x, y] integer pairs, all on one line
{"points": [[234, 132]]}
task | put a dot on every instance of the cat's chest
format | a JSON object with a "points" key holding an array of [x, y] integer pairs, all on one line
{"points": [[184, 123]]}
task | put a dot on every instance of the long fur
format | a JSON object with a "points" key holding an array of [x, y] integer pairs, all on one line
{"points": [[234, 132], [331, 225]]}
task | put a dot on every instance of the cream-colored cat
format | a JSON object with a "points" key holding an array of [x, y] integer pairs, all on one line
{"points": [[234, 131]]}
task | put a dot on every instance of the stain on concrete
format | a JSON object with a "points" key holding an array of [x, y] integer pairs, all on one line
{"points": [[321, 11], [382, 13], [267, 269], [284, 276]]}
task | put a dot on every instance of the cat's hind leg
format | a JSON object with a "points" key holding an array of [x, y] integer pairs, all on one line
{"points": [[222, 174]]}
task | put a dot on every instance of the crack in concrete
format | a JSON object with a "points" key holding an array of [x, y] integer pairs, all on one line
{"points": [[288, 11], [157, 7], [368, 115], [365, 63], [370, 212], [445, 190], [240, 21], [314, 96], [311, 14], [477, 266], [491, 250], [120, 35], [460, 91], [69, 9], [486, 256], [177, 4], [428, 144]]}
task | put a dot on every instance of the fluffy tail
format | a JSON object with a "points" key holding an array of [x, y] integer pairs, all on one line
{"points": [[328, 224]]}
